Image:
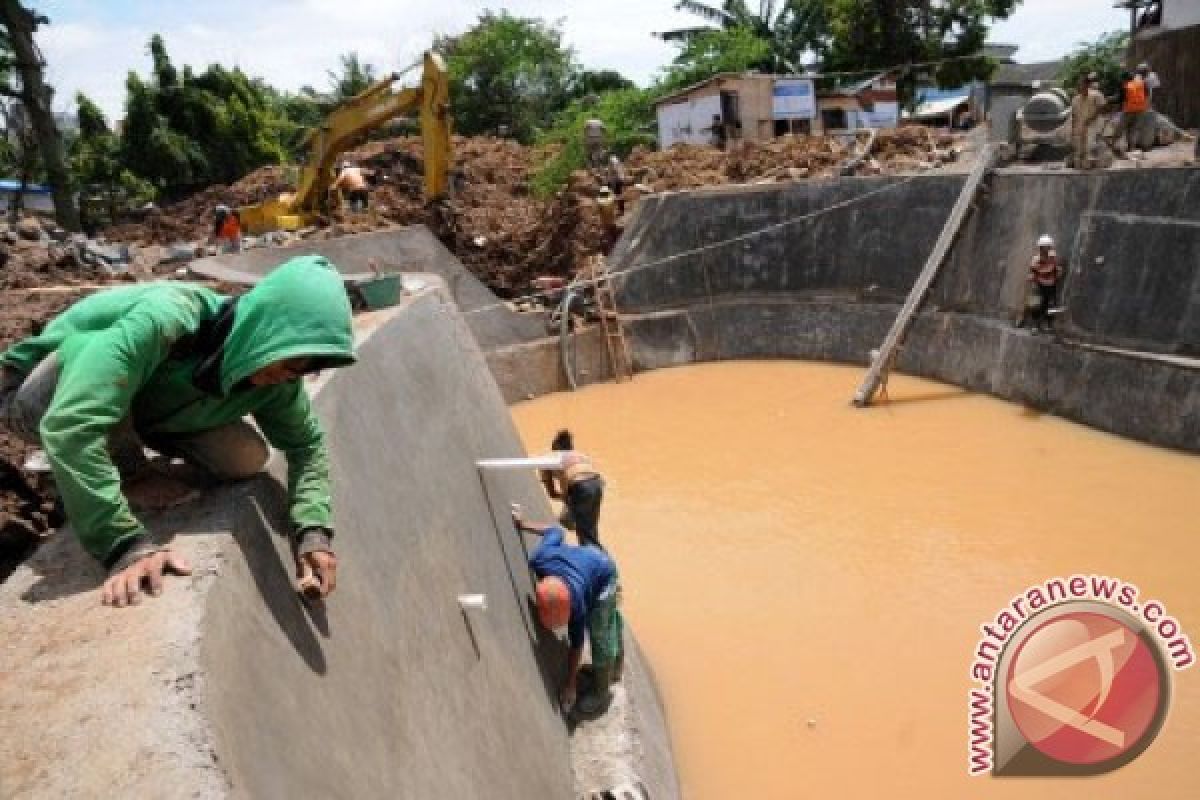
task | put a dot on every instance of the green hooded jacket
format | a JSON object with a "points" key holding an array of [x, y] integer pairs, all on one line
{"points": [[150, 351]]}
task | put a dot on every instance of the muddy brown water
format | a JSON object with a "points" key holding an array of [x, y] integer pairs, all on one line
{"points": [[808, 579]]}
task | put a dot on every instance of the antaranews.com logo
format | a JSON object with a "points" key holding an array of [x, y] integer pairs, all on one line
{"points": [[1073, 678]]}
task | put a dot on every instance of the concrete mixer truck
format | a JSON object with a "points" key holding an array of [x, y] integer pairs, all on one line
{"points": [[1042, 126]]}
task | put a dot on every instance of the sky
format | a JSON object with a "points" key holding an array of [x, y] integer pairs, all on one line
{"points": [[91, 45]]}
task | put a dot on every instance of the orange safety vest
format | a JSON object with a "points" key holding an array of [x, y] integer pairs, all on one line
{"points": [[230, 228], [1136, 97], [1045, 270]]}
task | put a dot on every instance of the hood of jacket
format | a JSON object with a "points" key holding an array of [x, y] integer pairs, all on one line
{"points": [[299, 310]]}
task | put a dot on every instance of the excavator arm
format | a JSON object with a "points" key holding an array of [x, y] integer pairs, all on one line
{"points": [[341, 130]]}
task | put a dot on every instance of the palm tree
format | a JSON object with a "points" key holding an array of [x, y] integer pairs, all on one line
{"points": [[790, 26]]}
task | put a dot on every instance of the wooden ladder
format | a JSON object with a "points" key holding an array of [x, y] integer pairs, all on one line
{"points": [[885, 357], [610, 319]]}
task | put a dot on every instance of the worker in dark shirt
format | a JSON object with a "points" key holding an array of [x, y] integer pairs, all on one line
{"points": [[577, 587], [580, 487]]}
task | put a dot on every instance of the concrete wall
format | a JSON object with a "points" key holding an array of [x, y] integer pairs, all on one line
{"points": [[410, 249], [1180, 13], [701, 282], [1172, 53], [228, 686]]}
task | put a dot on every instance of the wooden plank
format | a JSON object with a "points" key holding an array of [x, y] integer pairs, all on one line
{"points": [[882, 363]]}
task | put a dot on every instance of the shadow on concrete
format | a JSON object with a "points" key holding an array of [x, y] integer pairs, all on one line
{"points": [[550, 652], [255, 535]]}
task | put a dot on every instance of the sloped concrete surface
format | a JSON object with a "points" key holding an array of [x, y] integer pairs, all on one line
{"points": [[409, 249], [228, 686]]}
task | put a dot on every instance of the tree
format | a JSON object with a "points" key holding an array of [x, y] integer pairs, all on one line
{"points": [[628, 118], [508, 75], [353, 78], [784, 27], [866, 35], [594, 82], [104, 181], [18, 50], [1105, 57], [712, 52], [184, 129]]}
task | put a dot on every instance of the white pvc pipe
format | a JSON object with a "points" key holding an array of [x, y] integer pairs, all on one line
{"points": [[549, 461]]}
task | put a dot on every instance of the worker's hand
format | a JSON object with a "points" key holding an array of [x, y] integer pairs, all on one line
{"points": [[322, 566], [518, 516], [124, 588], [566, 698]]}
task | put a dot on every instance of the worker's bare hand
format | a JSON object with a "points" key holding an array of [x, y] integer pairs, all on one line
{"points": [[321, 565], [125, 587]]}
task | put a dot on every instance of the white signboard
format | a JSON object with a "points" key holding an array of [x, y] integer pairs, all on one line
{"points": [[884, 115], [794, 98], [688, 122]]}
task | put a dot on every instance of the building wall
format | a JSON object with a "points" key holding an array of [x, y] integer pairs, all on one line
{"points": [[1180, 13], [1173, 55]]}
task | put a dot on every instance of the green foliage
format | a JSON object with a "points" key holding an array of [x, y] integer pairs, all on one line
{"points": [[594, 82], [197, 129], [787, 28], [107, 186], [628, 117], [712, 52], [353, 78], [1105, 57], [508, 76], [864, 35]]}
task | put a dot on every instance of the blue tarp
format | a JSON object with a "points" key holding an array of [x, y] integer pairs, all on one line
{"points": [[9, 185]]}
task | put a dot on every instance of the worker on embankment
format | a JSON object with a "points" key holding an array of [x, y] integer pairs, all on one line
{"points": [[595, 143], [577, 587], [579, 485], [1135, 103], [227, 230], [352, 183], [177, 367], [1045, 271], [1085, 123]]}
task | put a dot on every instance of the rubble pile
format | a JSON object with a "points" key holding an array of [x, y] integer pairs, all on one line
{"points": [[790, 158], [493, 222], [190, 220]]}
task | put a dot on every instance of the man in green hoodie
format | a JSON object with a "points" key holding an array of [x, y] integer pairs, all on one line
{"points": [[178, 367]]}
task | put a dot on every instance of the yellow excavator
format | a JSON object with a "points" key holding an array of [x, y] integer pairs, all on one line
{"points": [[341, 130]]}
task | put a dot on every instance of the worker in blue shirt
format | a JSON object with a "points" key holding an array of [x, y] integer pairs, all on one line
{"points": [[577, 587]]}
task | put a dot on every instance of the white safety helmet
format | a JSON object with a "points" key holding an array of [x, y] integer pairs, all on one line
{"points": [[1046, 241], [222, 208]]}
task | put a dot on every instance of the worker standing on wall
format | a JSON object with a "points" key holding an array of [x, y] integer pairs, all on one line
{"points": [[177, 367], [352, 182], [1135, 102], [580, 487], [1045, 271], [595, 146], [577, 588], [1085, 115], [227, 230]]}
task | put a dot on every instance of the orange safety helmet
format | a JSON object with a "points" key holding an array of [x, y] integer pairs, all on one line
{"points": [[553, 602]]}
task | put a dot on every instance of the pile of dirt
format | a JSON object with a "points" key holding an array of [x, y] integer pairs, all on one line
{"points": [[27, 511], [790, 158], [507, 236], [191, 220]]}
